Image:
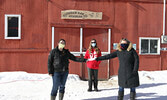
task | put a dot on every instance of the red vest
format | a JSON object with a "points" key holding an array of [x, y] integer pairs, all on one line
{"points": [[92, 64]]}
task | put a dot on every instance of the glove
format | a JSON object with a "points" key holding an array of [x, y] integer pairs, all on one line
{"points": [[85, 60], [96, 59]]}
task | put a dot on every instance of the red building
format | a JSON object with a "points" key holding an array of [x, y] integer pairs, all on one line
{"points": [[29, 29]]}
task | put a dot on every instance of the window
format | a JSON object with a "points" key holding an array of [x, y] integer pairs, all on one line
{"points": [[149, 46], [12, 26]]}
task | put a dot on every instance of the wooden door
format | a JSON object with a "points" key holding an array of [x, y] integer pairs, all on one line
{"points": [[73, 38], [101, 36]]}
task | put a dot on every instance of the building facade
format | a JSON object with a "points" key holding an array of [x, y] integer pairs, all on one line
{"points": [[29, 29]]}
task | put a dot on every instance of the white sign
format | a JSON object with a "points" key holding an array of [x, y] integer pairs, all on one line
{"points": [[80, 14]]}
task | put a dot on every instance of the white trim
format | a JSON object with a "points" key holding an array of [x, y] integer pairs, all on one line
{"points": [[164, 15], [6, 26], [81, 39], [149, 38], [81, 43], [109, 40], [149, 46], [159, 47], [53, 32], [109, 49], [78, 53]]}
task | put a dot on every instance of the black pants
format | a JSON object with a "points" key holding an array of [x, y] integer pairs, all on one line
{"points": [[93, 77]]}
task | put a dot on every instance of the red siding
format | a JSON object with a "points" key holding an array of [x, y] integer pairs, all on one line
{"points": [[25, 61], [126, 18], [30, 52], [33, 24], [56, 6], [164, 60], [139, 19]]}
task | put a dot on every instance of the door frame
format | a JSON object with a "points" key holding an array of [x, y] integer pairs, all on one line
{"points": [[81, 45]]}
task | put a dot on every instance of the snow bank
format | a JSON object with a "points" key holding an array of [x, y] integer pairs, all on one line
{"points": [[146, 76], [31, 86], [156, 76], [21, 76], [73, 77], [6, 77]]}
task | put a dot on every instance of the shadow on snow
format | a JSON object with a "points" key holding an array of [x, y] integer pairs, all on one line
{"points": [[126, 97]]}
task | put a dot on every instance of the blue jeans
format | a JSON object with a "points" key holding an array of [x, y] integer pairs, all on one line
{"points": [[131, 89], [59, 81]]}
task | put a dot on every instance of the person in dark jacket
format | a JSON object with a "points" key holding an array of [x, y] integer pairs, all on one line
{"points": [[58, 62], [128, 67]]}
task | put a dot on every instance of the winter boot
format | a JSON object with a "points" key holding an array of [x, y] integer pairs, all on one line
{"points": [[95, 85], [120, 95], [53, 98], [90, 86], [132, 95], [61, 95]]}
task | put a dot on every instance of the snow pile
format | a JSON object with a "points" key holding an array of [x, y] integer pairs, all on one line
{"points": [[28, 86], [73, 77], [156, 76], [21, 76], [114, 77], [6, 77]]}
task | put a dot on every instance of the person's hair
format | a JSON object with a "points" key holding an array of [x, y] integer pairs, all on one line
{"points": [[96, 47], [62, 40], [128, 42], [124, 39]]}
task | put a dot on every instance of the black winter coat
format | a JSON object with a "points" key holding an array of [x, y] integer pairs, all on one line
{"points": [[128, 67], [58, 61]]}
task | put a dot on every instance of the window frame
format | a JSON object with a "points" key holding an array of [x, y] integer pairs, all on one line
{"points": [[6, 26], [149, 38]]}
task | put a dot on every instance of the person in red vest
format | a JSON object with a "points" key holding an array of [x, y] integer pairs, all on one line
{"points": [[93, 65]]}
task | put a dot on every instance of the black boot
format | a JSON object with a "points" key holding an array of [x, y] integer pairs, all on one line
{"points": [[53, 98], [90, 86], [120, 95], [61, 95], [95, 85], [132, 95]]}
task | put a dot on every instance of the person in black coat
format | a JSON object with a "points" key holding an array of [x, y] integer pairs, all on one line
{"points": [[58, 62], [128, 67]]}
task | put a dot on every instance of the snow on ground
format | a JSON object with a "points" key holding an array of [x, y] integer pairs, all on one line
{"points": [[28, 86]]}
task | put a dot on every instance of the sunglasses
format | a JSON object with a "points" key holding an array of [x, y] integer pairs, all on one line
{"points": [[93, 42], [62, 43]]}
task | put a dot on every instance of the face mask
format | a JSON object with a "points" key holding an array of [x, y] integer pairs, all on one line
{"points": [[61, 45], [124, 46], [93, 44]]}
